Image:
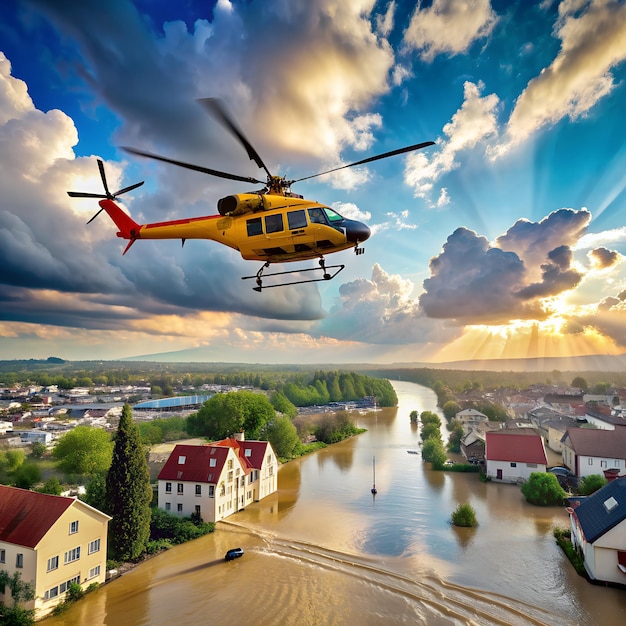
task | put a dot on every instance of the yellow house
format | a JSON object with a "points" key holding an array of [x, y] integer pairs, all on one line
{"points": [[53, 541]]}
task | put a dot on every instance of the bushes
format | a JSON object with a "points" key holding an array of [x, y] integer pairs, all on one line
{"points": [[464, 516], [589, 484], [167, 530], [563, 539], [543, 489]]}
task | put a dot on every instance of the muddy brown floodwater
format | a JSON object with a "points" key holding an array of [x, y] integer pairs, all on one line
{"points": [[323, 550]]}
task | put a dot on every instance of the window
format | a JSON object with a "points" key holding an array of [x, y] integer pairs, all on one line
{"points": [[198, 490], [179, 488], [222, 489], [248, 452], [230, 477], [513, 464], [63, 587], [53, 563], [168, 487], [3, 556], [197, 509], [181, 460], [168, 506], [94, 571], [74, 527], [94, 546], [296, 219], [243, 481], [19, 560], [180, 507], [211, 491], [254, 227], [274, 223], [230, 464], [270, 470], [212, 462], [603, 464], [316, 216], [51, 593], [332, 216], [72, 555], [589, 461]]}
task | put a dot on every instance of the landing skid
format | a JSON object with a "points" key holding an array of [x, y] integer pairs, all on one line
{"points": [[323, 268]]}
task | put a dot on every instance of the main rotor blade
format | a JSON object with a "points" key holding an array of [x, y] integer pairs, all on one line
{"points": [[214, 106], [417, 146], [104, 178], [196, 168], [83, 194], [129, 188]]}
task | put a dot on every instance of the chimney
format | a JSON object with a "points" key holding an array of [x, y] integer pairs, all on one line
{"points": [[240, 436]]}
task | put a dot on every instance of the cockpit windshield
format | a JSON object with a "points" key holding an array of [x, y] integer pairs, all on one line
{"points": [[332, 216]]}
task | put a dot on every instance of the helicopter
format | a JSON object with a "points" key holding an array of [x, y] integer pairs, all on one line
{"points": [[271, 225]]}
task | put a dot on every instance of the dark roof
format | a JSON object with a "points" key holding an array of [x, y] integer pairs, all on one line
{"points": [[597, 442], [516, 446], [250, 453], [594, 513], [26, 516]]}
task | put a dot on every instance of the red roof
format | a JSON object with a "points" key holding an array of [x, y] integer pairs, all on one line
{"points": [[517, 447], [251, 453], [197, 466], [26, 516]]}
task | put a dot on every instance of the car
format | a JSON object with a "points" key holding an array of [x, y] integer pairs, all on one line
{"points": [[233, 553], [561, 471], [448, 463]]}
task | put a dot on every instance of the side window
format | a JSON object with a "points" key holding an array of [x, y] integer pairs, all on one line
{"points": [[254, 227], [296, 219], [274, 223], [316, 216]]}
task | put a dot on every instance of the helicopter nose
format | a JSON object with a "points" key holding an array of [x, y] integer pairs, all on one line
{"points": [[357, 232]]}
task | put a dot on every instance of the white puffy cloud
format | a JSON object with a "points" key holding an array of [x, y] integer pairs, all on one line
{"points": [[449, 26], [474, 122], [593, 43]]}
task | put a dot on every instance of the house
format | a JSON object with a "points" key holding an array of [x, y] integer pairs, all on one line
{"points": [[513, 455], [53, 541], [473, 445], [217, 479], [588, 451], [598, 531], [470, 417]]}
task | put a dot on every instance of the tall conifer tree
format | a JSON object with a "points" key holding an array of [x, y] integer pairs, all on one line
{"points": [[128, 492]]}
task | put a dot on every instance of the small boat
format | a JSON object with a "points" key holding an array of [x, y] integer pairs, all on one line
{"points": [[374, 490], [412, 451]]}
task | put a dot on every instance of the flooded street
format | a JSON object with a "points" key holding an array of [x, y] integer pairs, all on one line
{"points": [[323, 550]]}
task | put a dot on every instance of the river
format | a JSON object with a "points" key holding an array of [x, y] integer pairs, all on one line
{"points": [[324, 550]]}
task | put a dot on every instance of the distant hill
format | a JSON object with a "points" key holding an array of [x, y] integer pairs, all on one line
{"points": [[591, 363]]}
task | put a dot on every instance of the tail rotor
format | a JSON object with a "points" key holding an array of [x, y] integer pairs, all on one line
{"points": [[106, 195]]}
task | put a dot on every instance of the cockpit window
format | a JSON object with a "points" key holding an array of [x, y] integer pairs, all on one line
{"points": [[332, 216], [316, 216], [274, 223]]}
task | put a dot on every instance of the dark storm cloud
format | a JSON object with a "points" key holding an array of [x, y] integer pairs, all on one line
{"points": [[476, 283], [604, 258]]}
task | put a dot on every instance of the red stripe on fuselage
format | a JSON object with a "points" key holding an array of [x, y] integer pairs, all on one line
{"points": [[188, 220]]}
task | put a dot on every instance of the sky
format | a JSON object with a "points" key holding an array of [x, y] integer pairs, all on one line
{"points": [[505, 239]]}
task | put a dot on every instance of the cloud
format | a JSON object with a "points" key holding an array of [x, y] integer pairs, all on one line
{"points": [[475, 282], [603, 258], [448, 27], [470, 125], [593, 43], [382, 310]]}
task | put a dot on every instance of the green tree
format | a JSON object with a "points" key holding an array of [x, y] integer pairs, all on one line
{"points": [[95, 493], [283, 436], [52, 486], [10, 460], [85, 450], [434, 452], [579, 382], [430, 430], [281, 404], [128, 492], [37, 449], [464, 516], [590, 484], [26, 475], [543, 489], [413, 416], [228, 413], [456, 434], [450, 409], [21, 591]]}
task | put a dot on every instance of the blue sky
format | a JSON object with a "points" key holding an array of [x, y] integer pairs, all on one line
{"points": [[505, 239]]}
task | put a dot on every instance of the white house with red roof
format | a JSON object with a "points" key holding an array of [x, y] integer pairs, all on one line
{"points": [[512, 455], [217, 479], [52, 541]]}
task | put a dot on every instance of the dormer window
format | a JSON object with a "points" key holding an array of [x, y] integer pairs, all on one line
{"points": [[248, 452], [610, 504], [181, 460], [212, 462]]}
